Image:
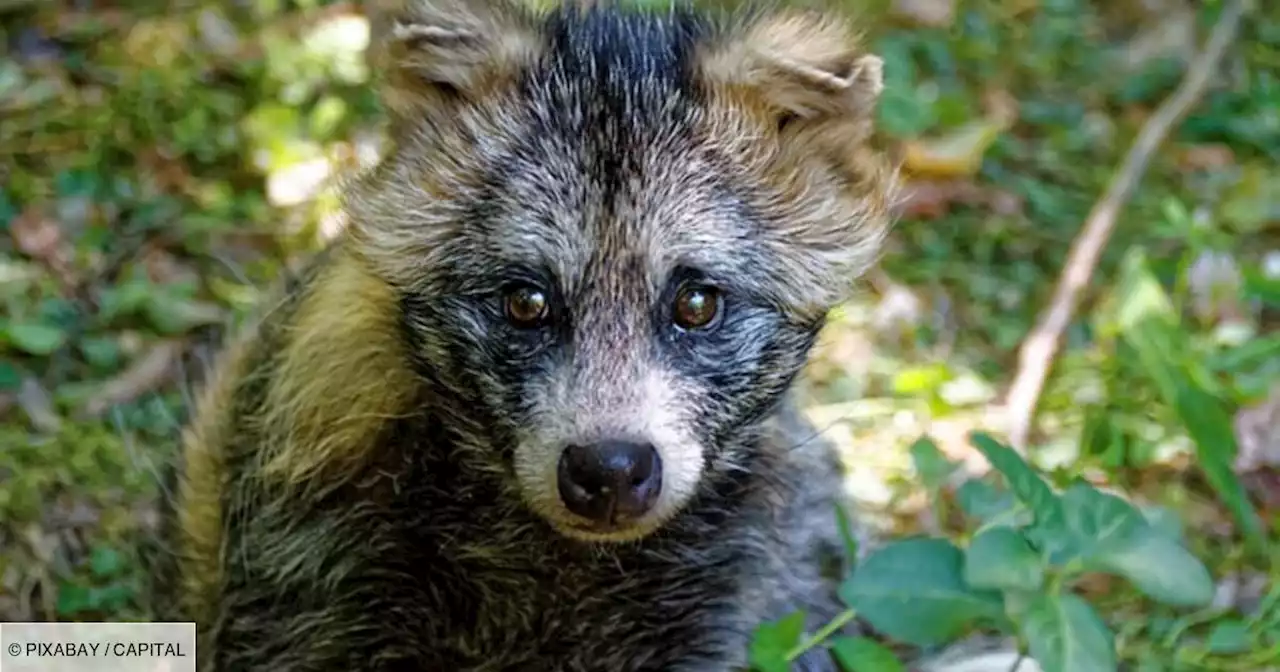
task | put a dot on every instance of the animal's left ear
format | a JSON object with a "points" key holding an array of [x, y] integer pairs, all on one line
{"points": [[798, 64]]}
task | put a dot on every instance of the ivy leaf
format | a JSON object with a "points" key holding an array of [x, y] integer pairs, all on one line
{"points": [[999, 558], [860, 654], [1064, 634], [914, 591], [773, 640]]}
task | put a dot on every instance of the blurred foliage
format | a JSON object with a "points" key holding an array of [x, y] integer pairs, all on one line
{"points": [[163, 163]]}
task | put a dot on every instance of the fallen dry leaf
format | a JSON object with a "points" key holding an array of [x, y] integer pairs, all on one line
{"points": [[957, 154], [35, 235], [1172, 34], [931, 198], [1204, 157], [1257, 430], [145, 374], [1000, 105], [218, 34], [936, 13], [1264, 486], [158, 42], [38, 405], [164, 268], [40, 238], [170, 174]]}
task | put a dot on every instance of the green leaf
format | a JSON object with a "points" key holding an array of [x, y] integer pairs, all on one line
{"points": [[1113, 536], [932, 466], [109, 598], [105, 562], [979, 499], [36, 338], [1248, 356], [1159, 567], [914, 591], [920, 380], [1146, 320], [1164, 521], [125, 299], [901, 113], [1211, 429], [103, 353], [1102, 438], [1259, 287], [73, 599], [176, 315], [1000, 559], [1064, 634], [1026, 484], [847, 538], [1099, 522], [773, 640], [1049, 531], [860, 654], [1231, 636], [10, 376]]}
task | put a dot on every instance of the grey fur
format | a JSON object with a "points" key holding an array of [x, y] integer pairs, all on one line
{"points": [[605, 172]]}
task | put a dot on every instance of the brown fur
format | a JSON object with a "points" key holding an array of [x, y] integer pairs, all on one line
{"points": [[370, 483], [322, 413]]}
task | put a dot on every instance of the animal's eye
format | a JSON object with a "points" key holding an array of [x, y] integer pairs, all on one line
{"points": [[526, 306], [696, 306]]}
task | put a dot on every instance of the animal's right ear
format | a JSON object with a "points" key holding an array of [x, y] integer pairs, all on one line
{"points": [[427, 52]]}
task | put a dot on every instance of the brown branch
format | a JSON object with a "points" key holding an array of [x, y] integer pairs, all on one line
{"points": [[145, 374], [1041, 345]]}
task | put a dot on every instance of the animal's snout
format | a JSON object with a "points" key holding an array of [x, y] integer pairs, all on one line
{"points": [[610, 482]]}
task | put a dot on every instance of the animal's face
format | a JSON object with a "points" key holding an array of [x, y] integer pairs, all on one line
{"points": [[615, 260]]}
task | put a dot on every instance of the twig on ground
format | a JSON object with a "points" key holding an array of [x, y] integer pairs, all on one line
{"points": [[1038, 350], [148, 372]]}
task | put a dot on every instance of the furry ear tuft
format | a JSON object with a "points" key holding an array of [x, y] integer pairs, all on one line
{"points": [[800, 64], [430, 51]]}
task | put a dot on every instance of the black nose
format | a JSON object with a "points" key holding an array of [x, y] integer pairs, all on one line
{"points": [[610, 481]]}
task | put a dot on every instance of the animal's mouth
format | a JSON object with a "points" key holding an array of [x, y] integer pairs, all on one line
{"points": [[606, 531], [603, 528]]}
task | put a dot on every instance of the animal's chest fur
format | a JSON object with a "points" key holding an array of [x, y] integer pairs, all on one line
{"points": [[662, 606]]}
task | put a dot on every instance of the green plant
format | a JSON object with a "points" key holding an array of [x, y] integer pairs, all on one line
{"points": [[1015, 574]]}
